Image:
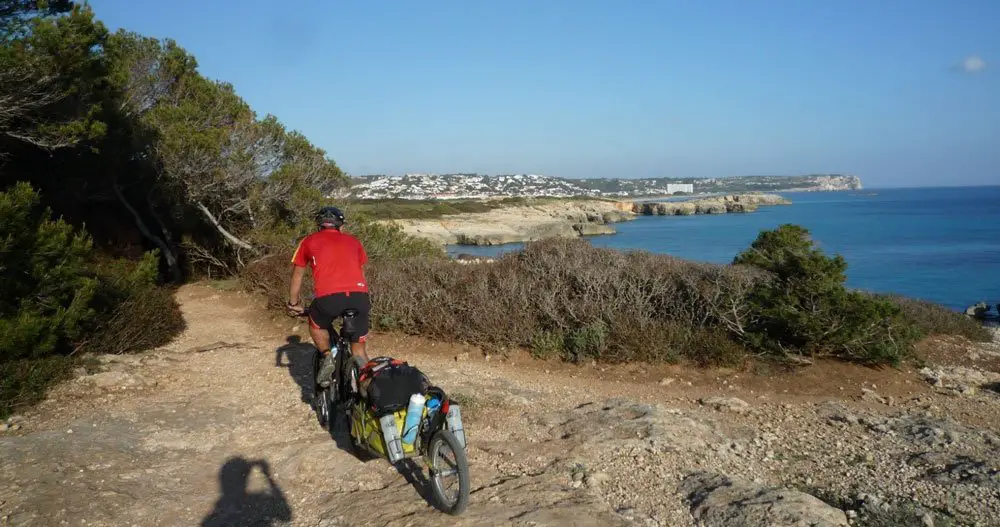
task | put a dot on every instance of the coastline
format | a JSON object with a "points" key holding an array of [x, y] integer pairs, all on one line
{"points": [[568, 218]]}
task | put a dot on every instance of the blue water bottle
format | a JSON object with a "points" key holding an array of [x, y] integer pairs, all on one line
{"points": [[413, 414], [433, 405]]}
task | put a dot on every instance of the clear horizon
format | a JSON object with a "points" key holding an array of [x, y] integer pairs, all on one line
{"points": [[895, 92]]}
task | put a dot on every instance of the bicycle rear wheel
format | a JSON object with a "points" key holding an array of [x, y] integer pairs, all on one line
{"points": [[449, 471]]}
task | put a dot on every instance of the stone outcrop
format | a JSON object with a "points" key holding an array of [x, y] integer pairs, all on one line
{"points": [[714, 205], [717, 500], [562, 219]]}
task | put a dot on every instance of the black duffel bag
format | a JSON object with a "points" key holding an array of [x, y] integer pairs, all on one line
{"points": [[387, 384]]}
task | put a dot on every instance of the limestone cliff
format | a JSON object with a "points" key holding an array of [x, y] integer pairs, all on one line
{"points": [[714, 205], [565, 219]]}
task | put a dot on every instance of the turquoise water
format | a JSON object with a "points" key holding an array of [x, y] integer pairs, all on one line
{"points": [[938, 244]]}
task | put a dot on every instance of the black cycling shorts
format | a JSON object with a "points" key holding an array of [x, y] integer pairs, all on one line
{"points": [[325, 309]]}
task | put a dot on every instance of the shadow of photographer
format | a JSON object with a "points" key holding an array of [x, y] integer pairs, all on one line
{"points": [[239, 506]]}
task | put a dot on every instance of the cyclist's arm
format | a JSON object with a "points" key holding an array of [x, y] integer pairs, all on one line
{"points": [[295, 288], [299, 260]]}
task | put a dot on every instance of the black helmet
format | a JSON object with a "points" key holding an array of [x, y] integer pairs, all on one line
{"points": [[328, 217]]}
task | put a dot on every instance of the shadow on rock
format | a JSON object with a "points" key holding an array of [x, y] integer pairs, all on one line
{"points": [[416, 476], [300, 357], [240, 506], [340, 432]]}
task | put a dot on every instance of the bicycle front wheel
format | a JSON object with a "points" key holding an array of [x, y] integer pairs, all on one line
{"points": [[449, 471], [321, 400]]}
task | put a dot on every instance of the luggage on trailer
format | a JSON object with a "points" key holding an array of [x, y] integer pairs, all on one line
{"points": [[386, 386]]}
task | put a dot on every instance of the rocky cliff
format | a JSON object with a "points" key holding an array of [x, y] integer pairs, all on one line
{"points": [[716, 205], [566, 219]]}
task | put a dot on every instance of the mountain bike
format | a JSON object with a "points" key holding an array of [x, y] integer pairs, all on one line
{"points": [[343, 383]]}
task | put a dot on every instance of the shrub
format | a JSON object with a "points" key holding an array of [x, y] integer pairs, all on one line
{"points": [[45, 293], [933, 319], [56, 300], [547, 344], [565, 298], [24, 381], [587, 342], [805, 308], [134, 313], [148, 318], [270, 276]]}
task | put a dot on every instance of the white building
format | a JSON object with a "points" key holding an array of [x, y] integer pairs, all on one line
{"points": [[680, 187]]}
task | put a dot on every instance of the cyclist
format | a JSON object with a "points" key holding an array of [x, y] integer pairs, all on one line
{"points": [[337, 261]]}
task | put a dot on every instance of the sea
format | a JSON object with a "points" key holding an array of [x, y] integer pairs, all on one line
{"points": [[935, 244]]}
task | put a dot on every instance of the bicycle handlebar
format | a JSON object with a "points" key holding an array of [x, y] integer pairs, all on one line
{"points": [[304, 313]]}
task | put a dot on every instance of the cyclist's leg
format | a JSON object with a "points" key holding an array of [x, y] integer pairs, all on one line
{"points": [[320, 319], [359, 341]]}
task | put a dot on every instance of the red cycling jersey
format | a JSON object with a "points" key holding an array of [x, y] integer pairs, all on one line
{"points": [[335, 259]]}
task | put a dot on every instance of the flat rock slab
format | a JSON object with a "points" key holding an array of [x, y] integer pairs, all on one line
{"points": [[717, 500]]}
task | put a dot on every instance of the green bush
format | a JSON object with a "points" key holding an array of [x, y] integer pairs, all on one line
{"points": [[135, 313], [805, 308], [547, 345], [587, 342], [55, 300], [45, 293]]}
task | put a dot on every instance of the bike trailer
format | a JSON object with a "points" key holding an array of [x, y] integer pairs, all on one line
{"points": [[382, 436]]}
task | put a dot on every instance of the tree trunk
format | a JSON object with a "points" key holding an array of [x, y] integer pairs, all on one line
{"points": [[167, 235], [222, 230], [168, 252]]}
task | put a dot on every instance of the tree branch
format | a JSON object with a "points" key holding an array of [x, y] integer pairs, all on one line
{"points": [[222, 230], [168, 253]]}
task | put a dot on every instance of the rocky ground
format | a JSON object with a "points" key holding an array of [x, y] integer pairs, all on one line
{"points": [[565, 218], [214, 429]]}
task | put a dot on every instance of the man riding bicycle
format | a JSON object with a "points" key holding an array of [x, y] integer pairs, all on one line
{"points": [[337, 261]]}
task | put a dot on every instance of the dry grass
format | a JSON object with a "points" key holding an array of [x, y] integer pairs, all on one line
{"points": [[566, 298]]}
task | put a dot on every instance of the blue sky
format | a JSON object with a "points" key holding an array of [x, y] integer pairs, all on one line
{"points": [[899, 92]]}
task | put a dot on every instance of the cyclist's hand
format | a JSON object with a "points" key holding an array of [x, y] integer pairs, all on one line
{"points": [[295, 309]]}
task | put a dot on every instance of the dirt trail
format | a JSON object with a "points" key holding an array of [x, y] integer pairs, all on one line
{"points": [[226, 437]]}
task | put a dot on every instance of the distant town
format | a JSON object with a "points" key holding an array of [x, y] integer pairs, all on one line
{"points": [[480, 186]]}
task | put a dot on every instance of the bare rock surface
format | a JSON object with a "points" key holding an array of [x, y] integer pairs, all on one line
{"points": [[717, 501]]}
